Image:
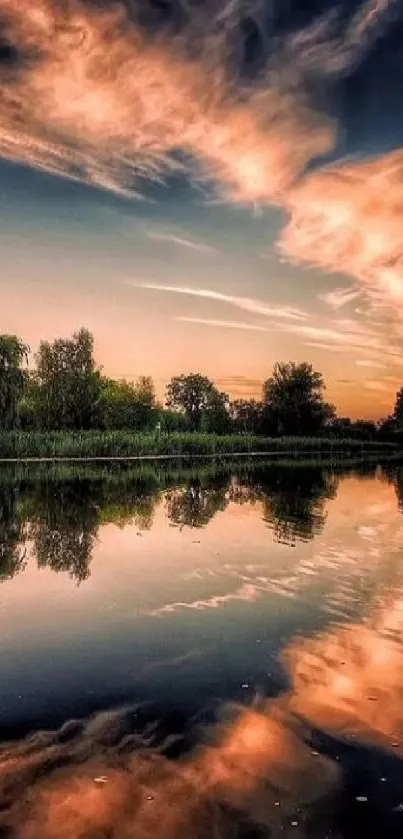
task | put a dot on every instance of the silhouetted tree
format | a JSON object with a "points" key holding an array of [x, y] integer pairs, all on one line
{"points": [[388, 430], [190, 394], [246, 416], [293, 397], [67, 391], [215, 417], [398, 409], [341, 427], [364, 430], [353, 429], [13, 354], [68, 383]]}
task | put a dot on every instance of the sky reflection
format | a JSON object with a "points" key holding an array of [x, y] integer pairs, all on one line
{"points": [[209, 574]]}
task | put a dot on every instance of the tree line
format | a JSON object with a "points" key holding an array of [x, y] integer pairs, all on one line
{"points": [[66, 390]]}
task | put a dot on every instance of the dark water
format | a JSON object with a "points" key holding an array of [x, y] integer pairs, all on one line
{"points": [[277, 588]]}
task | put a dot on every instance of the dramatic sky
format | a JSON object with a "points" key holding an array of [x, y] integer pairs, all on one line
{"points": [[208, 185]]}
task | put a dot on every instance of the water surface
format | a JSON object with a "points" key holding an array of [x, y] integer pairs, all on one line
{"points": [[186, 590]]}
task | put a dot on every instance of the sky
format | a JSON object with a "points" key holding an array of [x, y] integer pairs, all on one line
{"points": [[207, 185]]}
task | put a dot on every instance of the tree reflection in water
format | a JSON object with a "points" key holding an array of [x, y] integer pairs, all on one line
{"points": [[65, 517], [64, 526], [195, 504], [294, 500], [272, 770], [393, 473], [62, 513], [12, 533]]}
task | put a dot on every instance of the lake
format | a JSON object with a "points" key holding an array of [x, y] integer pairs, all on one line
{"points": [[246, 616]]}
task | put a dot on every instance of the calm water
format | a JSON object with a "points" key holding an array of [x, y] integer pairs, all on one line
{"points": [[190, 590]]}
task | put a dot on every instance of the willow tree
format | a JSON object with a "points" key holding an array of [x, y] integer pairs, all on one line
{"points": [[13, 357], [67, 382]]}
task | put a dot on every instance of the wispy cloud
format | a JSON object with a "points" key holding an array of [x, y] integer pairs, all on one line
{"points": [[240, 384], [226, 324], [247, 304], [181, 241], [357, 230], [349, 336], [339, 333], [247, 593], [67, 109], [374, 384], [368, 362], [339, 297], [99, 101], [329, 335]]}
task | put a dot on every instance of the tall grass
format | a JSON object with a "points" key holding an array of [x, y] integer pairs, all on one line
{"points": [[126, 444]]}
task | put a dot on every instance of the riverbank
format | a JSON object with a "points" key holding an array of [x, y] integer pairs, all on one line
{"points": [[106, 445]]}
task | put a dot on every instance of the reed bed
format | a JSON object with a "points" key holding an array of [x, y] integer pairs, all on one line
{"points": [[94, 445]]}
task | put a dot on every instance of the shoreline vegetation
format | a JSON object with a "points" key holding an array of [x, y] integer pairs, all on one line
{"points": [[93, 445], [59, 404]]}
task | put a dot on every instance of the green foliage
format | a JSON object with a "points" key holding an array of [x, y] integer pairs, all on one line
{"points": [[125, 444], [196, 503], [173, 421], [67, 392], [13, 354], [293, 398], [63, 527], [28, 403], [12, 550], [190, 394], [295, 506], [216, 418], [206, 409], [361, 429], [67, 382], [57, 509], [126, 405], [246, 416]]}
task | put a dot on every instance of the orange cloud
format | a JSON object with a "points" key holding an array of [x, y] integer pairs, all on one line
{"points": [[356, 228], [100, 776], [349, 682], [95, 98], [102, 101]]}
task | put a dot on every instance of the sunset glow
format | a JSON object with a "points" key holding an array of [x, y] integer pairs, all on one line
{"points": [[136, 158]]}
